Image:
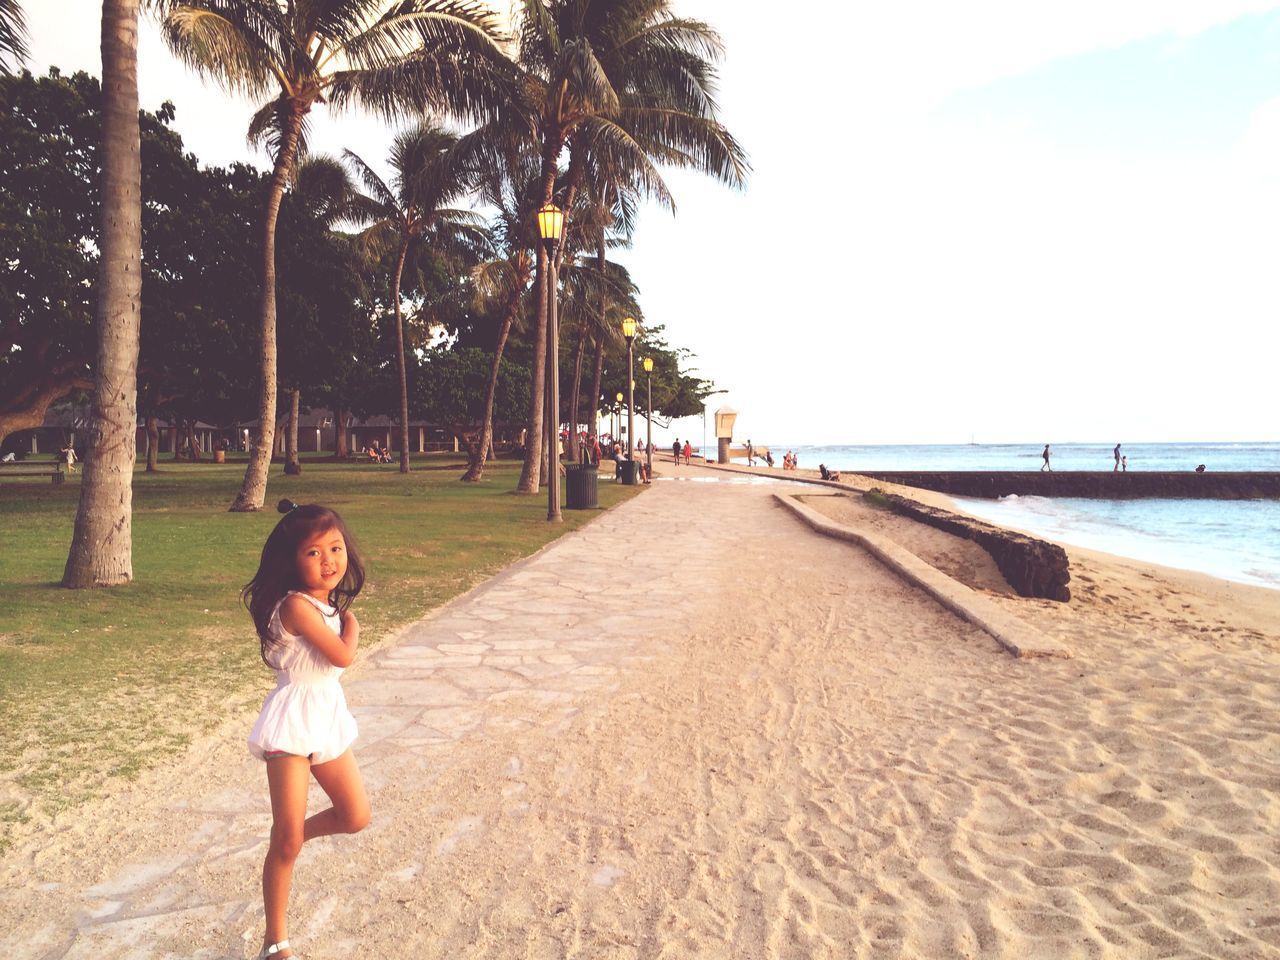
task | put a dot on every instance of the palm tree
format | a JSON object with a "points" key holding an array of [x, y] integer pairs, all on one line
{"points": [[390, 56], [101, 551], [325, 189], [501, 286], [628, 81], [428, 178], [13, 36]]}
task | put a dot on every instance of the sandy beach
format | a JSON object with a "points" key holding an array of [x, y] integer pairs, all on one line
{"points": [[698, 729]]}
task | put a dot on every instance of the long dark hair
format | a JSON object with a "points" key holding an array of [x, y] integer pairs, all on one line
{"points": [[278, 569]]}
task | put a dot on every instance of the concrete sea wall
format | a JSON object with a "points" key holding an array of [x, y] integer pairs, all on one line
{"points": [[1094, 484], [1034, 568]]}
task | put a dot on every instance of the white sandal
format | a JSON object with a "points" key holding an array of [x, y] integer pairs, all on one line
{"points": [[272, 949]]}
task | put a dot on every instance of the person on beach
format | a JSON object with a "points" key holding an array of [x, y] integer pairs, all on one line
{"points": [[751, 454], [299, 600], [1045, 455], [1116, 452], [1124, 464], [688, 453], [675, 451]]}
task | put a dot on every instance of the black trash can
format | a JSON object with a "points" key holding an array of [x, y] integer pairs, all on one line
{"points": [[629, 471], [582, 486]]}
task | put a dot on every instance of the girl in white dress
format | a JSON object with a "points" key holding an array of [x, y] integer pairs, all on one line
{"points": [[309, 573]]}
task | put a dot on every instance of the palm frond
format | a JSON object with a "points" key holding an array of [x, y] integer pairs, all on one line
{"points": [[379, 193], [242, 44], [13, 37], [467, 27], [324, 184], [268, 125]]}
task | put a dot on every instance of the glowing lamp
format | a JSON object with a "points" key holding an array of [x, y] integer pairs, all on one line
{"points": [[551, 223]]}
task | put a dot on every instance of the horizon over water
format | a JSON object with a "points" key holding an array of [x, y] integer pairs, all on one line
{"points": [[1233, 539]]}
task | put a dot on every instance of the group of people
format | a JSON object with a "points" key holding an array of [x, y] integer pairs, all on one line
{"points": [[377, 454], [1122, 460], [678, 451], [790, 461], [620, 457]]}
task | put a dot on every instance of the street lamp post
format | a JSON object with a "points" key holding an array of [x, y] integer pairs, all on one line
{"points": [[618, 405], [648, 418], [629, 331], [550, 227]]}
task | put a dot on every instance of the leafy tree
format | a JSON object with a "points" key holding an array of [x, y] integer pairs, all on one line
{"points": [[198, 230], [394, 57], [448, 389], [677, 392], [48, 242], [501, 288]]}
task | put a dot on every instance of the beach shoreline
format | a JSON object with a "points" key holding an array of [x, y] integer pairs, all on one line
{"points": [[803, 757], [1213, 550]]}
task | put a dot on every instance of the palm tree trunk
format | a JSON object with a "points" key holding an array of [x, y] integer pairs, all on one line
{"points": [[291, 464], [101, 553], [533, 445], [475, 469], [404, 386], [598, 375], [153, 442], [582, 345], [339, 433], [192, 440], [575, 392], [253, 489]]}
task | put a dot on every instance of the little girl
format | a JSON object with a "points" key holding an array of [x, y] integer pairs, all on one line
{"points": [[309, 573]]}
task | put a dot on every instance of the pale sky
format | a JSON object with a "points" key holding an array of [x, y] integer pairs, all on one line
{"points": [[1016, 220]]}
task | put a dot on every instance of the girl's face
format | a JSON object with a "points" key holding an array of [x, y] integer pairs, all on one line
{"points": [[322, 563]]}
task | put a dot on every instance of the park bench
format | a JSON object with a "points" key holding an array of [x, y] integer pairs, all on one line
{"points": [[32, 468]]}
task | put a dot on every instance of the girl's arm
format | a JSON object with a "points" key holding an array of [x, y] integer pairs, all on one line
{"points": [[300, 617]]}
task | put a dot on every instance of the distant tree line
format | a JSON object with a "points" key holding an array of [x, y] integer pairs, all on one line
{"points": [[199, 332]]}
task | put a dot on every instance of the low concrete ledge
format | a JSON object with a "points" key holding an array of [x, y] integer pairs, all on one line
{"points": [[1019, 638], [1093, 484], [1034, 568]]}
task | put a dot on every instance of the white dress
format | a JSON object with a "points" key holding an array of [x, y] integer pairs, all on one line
{"points": [[306, 714]]}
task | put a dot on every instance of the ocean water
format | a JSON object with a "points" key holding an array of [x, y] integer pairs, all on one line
{"points": [[1233, 539]]}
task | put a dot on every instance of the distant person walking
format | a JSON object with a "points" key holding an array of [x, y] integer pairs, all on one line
{"points": [[1116, 453], [675, 451], [69, 454], [751, 454], [688, 452], [1045, 457]]}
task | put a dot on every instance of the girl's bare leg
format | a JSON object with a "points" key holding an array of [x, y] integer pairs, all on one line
{"points": [[340, 779], [287, 780]]}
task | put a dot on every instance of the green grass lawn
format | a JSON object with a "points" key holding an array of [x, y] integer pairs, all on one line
{"points": [[99, 684]]}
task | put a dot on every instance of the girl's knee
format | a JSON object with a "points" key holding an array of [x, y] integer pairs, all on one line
{"points": [[286, 843], [355, 819]]}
